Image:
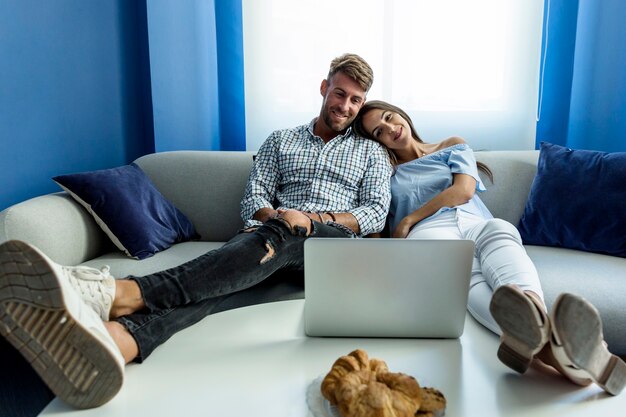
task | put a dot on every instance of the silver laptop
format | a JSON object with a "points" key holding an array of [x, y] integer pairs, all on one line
{"points": [[386, 287]]}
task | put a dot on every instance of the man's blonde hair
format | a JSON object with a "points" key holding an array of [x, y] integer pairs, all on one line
{"points": [[354, 67]]}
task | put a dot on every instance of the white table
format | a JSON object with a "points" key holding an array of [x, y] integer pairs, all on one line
{"points": [[256, 361]]}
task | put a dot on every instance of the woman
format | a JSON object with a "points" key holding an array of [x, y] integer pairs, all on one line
{"points": [[433, 197]]}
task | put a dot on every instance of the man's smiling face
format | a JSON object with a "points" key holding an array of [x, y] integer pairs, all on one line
{"points": [[343, 97]]}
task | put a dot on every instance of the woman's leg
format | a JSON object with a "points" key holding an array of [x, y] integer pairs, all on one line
{"points": [[505, 279], [444, 226], [501, 254], [500, 259], [455, 225]]}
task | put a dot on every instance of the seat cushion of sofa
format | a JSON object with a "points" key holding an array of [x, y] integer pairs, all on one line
{"points": [[123, 266], [601, 279]]}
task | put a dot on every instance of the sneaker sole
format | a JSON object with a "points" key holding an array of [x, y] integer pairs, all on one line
{"points": [[577, 343], [35, 320], [524, 330]]}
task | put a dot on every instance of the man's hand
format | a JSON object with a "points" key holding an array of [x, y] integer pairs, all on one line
{"points": [[318, 217], [265, 214], [346, 219], [296, 218]]}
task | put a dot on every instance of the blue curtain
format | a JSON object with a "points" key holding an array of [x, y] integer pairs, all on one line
{"points": [[196, 70], [582, 101], [232, 106]]}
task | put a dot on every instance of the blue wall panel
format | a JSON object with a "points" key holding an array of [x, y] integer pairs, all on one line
{"points": [[72, 91]]}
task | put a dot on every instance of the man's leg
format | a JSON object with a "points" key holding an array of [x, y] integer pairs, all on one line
{"points": [[245, 261], [241, 263], [37, 290], [153, 329], [138, 334]]}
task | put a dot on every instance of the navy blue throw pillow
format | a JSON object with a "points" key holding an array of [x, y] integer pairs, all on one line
{"points": [[577, 200], [130, 209]]}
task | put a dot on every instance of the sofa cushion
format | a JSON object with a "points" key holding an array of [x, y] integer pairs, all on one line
{"points": [[577, 200], [596, 277], [122, 266], [129, 208]]}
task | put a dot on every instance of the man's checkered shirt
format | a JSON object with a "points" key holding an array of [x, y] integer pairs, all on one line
{"points": [[294, 169]]}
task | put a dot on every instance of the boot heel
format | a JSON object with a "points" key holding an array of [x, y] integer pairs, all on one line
{"points": [[578, 343], [614, 376], [525, 326], [513, 359]]}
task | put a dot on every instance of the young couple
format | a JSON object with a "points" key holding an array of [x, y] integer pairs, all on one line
{"points": [[78, 326]]}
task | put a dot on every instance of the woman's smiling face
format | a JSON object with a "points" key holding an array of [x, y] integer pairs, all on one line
{"points": [[388, 128]]}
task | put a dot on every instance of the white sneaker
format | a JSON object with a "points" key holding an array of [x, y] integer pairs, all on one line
{"points": [[95, 286], [46, 320]]}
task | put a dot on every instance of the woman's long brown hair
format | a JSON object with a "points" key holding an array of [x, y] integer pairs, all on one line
{"points": [[357, 126]]}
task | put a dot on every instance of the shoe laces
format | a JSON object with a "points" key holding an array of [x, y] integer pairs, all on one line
{"points": [[89, 274], [96, 286]]}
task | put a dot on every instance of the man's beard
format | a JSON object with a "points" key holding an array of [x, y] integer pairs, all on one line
{"points": [[335, 125]]}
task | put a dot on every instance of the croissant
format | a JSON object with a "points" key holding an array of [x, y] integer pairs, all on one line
{"points": [[355, 361], [387, 394], [361, 387], [433, 403]]}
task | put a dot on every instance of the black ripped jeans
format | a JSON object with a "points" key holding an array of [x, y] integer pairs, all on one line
{"points": [[183, 295]]}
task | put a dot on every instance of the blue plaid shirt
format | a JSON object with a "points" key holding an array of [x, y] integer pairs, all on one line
{"points": [[294, 169]]}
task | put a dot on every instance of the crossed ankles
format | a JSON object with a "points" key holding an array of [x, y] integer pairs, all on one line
{"points": [[570, 339]]}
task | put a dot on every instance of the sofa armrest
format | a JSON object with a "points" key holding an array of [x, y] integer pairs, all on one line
{"points": [[513, 174], [57, 225]]}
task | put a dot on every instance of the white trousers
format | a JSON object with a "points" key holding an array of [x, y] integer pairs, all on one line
{"points": [[499, 258]]}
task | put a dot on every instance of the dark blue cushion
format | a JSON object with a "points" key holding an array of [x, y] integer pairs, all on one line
{"points": [[129, 208], [577, 200]]}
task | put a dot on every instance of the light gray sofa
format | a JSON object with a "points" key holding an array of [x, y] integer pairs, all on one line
{"points": [[207, 186]]}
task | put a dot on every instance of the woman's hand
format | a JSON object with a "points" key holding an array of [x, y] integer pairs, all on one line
{"points": [[403, 228], [460, 192]]}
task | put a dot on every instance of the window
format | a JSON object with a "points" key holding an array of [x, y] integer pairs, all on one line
{"points": [[458, 67]]}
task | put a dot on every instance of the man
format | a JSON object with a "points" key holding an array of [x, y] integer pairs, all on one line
{"points": [[313, 180]]}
